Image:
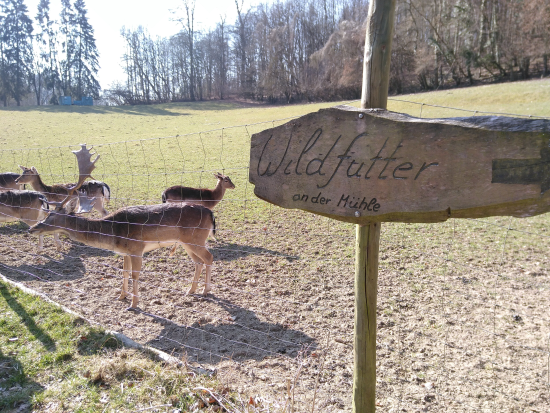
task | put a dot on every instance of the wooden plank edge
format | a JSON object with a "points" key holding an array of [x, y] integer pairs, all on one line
{"points": [[520, 209]]}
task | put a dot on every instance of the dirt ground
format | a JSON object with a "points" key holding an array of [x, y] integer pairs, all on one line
{"points": [[463, 320]]}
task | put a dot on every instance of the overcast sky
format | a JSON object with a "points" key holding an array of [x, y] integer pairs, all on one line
{"points": [[108, 16]]}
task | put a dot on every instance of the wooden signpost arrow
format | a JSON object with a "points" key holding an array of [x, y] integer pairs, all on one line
{"points": [[364, 165], [369, 166]]}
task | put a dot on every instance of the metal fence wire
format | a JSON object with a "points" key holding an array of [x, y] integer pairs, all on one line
{"points": [[463, 323]]}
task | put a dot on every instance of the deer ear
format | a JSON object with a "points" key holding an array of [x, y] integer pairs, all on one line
{"points": [[34, 169], [218, 175], [22, 167]]}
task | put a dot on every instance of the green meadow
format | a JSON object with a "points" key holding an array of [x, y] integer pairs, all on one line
{"points": [[147, 148]]}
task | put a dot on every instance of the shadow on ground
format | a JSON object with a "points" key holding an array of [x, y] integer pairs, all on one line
{"points": [[47, 268], [171, 109], [28, 320], [238, 335], [230, 251], [18, 389]]}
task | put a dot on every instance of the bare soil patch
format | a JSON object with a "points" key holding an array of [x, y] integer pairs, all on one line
{"points": [[462, 321]]}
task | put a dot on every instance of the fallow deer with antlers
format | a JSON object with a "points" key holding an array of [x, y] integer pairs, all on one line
{"points": [[58, 192], [134, 230]]}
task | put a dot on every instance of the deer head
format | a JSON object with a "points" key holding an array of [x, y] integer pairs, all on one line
{"points": [[226, 181], [27, 175]]}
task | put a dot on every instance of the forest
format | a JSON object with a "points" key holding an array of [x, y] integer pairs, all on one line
{"points": [[47, 58], [295, 50], [279, 51]]}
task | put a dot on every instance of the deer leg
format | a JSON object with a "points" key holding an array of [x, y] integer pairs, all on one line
{"points": [[198, 270], [136, 269], [57, 241], [207, 281], [126, 266], [40, 243], [198, 267], [173, 249], [205, 257], [100, 207]]}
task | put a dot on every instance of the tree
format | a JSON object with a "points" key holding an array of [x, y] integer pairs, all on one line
{"points": [[67, 48], [17, 48], [241, 44], [4, 81], [48, 46], [41, 58], [221, 50], [85, 59], [188, 23]]}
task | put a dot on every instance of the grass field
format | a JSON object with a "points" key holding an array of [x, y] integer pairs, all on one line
{"points": [[463, 322]]}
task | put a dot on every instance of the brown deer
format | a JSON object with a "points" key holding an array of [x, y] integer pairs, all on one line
{"points": [[134, 230], [27, 206], [199, 196], [8, 181], [57, 192]]}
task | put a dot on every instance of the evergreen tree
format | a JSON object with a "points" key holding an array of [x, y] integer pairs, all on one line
{"points": [[46, 40], [40, 60], [67, 47], [86, 55], [4, 81], [17, 47]]}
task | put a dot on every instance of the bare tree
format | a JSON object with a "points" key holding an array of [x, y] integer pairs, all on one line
{"points": [[188, 22]]}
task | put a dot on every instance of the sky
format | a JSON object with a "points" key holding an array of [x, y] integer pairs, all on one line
{"points": [[108, 16]]}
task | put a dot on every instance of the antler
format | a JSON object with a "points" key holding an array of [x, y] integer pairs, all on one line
{"points": [[85, 204], [85, 165], [85, 168]]}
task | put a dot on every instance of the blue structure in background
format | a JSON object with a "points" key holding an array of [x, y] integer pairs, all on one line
{"points": [[84, 101]]}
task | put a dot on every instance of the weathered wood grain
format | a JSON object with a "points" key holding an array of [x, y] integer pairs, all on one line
{"points": [[365, 165]]}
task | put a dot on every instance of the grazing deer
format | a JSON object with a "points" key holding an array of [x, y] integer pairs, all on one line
{"points": [[57, 192], [27, 206], [8, 180], [134, 230], [199, 196]]}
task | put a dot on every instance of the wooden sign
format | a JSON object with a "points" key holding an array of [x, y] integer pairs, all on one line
{"points": [[371, 165]]}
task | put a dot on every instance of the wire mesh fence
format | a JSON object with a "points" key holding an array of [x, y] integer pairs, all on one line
{"points": [[462, 305]]}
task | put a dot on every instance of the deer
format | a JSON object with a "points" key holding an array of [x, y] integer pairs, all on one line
{"points": [[27, 206], [198, 196], [134, 230], [57, 192], [8, 181]]}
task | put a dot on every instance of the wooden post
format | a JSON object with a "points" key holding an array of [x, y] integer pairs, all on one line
{"points": [[377, 58], [366, 280], [376, 78]]}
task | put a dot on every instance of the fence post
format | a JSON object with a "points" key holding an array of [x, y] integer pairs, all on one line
{"points": [[376, 75]]}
